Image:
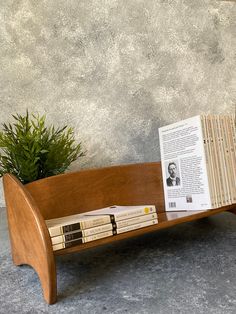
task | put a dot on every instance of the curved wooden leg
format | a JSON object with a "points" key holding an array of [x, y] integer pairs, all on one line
{"points": [[46, 274], [48, 281]]}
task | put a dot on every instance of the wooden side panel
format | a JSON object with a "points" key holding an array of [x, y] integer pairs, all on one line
{"points": [[30, 240], [72, 193]]}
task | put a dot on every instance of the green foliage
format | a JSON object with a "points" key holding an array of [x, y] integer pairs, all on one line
{"points": [[31, 151]]}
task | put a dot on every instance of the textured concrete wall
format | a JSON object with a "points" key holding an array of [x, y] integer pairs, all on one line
{"points": [[116, 70]]}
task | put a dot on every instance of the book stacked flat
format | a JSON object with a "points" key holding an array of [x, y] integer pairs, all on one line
{"points": [[199, 162], [90, 226], [77, 229]]}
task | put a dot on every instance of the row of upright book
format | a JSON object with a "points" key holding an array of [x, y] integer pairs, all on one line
{"points": [[101, 223], [199, 162]]}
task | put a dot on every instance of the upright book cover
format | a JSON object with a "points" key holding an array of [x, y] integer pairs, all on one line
{"points": [[184, 170]]}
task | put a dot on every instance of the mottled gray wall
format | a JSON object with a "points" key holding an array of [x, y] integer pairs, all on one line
{"points": [[116, 70]]}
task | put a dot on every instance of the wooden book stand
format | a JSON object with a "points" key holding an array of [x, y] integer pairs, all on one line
{"points": [[28, 206]]}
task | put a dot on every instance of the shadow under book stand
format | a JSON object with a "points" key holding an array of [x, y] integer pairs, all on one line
{"points": [[28, 206]]}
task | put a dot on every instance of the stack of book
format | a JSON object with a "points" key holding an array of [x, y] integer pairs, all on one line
{"points": [[97, 224], [199, 162]]}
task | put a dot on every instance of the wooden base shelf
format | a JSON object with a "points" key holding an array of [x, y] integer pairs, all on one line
{"points": [[28, 206], [163, 222]]}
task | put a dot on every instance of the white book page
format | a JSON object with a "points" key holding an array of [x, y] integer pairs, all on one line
{"points": [[183, 164]]}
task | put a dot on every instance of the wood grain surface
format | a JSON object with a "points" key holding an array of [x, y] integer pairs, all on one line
{"points": [[86, 190]]}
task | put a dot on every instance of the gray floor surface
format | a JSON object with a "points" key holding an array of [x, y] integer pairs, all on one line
{"points": [[190, 268]]}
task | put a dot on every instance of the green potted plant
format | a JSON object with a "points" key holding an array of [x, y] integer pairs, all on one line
{"points": [[30, 150]]}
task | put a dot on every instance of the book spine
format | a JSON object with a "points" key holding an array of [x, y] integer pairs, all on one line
{"points": [[95, 221], [67, 237], [207, 157], [137, 226], [223, 162], [220, 161], [232, 128], [98, 236], [226, 157], [80, 225], [99, 229], [59, 230], [81, 233], [64, 245], [135, 213], [218, 176], [94, 237], [135, 220], [211, 160], [232, 152]]}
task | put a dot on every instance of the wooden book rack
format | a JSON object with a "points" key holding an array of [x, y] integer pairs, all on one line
{"points": [[28, 206]]}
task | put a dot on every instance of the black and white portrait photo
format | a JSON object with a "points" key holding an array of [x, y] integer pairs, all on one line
{"points": [[173, 178]]}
